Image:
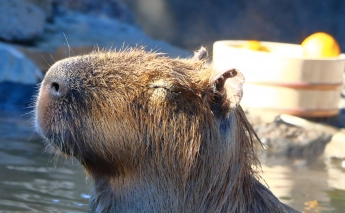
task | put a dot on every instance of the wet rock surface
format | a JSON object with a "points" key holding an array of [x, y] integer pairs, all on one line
{"points": [[298, 138], [280, 138]]}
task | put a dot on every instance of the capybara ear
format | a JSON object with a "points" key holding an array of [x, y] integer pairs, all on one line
{"points": [[227, 86], [201, 54]]}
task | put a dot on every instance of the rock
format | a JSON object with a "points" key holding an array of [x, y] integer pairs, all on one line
{"points": [[77, 29], [16, 68], [290, 141], [44, 58], [74, 33], [293, 136], [20, 20], [18, 79], [336, 147], [283, 139], [109, 8], [45, 5]]}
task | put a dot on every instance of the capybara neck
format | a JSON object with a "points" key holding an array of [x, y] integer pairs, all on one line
{"points": [[155, 134]]}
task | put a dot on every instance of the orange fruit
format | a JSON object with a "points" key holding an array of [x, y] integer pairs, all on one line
{"points": [[320, 45], [253, 45]]}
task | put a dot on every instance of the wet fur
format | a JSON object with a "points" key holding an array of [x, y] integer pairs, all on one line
{"points": [[155, 134]]}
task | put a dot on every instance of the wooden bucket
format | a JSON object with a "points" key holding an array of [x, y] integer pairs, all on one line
{"points": [[282, 80]]}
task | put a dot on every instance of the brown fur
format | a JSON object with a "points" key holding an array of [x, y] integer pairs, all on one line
{"points": [[155, 134]]}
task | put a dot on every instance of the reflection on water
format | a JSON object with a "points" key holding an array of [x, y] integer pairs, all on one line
{"points": [[315, 187], [31, 180]]}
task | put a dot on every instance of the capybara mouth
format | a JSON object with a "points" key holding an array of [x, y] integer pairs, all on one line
{"points": [[57, 134], [65, 143]]}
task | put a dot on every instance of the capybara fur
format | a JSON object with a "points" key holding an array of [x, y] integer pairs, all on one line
{"points": [[155, 134]]}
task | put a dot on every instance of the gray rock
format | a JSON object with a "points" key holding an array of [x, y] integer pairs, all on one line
{"points": [[283, 139], [18, 79], [20, 20], [73, 33], [77, 29], [108, 8], [287, 140], [336, 147], [15, 67], [45, 5]]}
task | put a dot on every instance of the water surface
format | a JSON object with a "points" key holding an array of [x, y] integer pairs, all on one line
{"points": [[34, 181]]}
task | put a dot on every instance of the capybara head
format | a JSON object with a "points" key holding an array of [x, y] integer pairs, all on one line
{"points": [[155, 134]]}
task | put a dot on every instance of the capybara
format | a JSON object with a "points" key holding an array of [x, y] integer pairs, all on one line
{"points": [[155, 134]]}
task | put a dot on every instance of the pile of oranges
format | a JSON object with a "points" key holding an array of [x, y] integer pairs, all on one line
{"points": [[317, 45]]}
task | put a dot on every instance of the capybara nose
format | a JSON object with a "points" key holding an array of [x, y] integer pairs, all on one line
{"points": [[57, 88], [52, 90]]}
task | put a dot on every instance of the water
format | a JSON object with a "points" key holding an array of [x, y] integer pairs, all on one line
{"points": [[309, 187], [32, 181]]}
